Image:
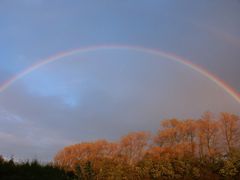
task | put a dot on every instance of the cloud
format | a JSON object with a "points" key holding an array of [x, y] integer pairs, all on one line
{"points": [[105, 94], [75, 101]]}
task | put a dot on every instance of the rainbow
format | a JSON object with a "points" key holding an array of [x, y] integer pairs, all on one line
{"points": [[233, 93]]}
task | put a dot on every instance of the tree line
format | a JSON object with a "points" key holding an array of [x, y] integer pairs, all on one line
{"points": [[204, 148], [11, 170]]}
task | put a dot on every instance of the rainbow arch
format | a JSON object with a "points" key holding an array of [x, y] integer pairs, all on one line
{"points": [[233, 93]]}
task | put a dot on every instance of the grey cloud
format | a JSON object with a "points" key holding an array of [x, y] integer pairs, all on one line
{"points": [[111, 104], [106, 94]]}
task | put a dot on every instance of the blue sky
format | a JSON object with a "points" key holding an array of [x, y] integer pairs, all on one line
{"points": [[106, 93]]}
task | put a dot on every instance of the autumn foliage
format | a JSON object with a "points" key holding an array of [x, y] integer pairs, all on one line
{"points": [[205, 148]]}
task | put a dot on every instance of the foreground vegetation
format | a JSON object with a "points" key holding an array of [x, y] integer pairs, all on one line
{"points": [[205, 148], [10, 170]]}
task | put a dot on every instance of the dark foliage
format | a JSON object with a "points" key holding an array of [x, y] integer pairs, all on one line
{"points": [[9, 170]]}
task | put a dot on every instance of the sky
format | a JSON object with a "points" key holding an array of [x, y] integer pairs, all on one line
{"points": [[107, 92]]}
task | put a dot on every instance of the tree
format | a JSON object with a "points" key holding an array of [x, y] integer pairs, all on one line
{"points": [[177, 136], [188, 130], [229, 125], [76, 154], [168, 135], [208, 130], [133, 146], [182, 149]]}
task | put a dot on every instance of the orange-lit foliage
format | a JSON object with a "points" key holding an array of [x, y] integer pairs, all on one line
{"points": [[208, 133], [177, 136], [229, 125], [132, 146], [169, 135], [70, 156], [177, 151]]}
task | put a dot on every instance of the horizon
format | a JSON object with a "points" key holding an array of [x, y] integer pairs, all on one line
{"points": [[158, 60]]}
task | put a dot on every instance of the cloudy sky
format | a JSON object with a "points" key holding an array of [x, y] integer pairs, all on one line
{"points": [[105, 93]]}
